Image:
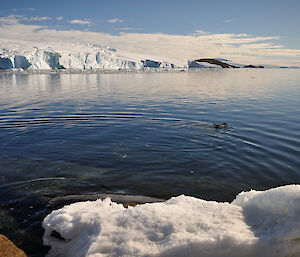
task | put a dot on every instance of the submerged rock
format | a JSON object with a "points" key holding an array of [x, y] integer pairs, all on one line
{"points": [[126, 200]]}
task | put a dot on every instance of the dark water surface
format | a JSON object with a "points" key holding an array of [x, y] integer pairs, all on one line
{"points": [[142, 133]]}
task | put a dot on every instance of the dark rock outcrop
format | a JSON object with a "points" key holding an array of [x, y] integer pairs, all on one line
{"points": [[253, 66], [216, 62], [219, 62]]}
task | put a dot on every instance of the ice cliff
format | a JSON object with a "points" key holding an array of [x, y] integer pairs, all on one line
{"points": [[86, 56], [68, 55]]}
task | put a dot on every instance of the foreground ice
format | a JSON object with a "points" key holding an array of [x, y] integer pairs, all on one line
{"points": [[265, 223]]}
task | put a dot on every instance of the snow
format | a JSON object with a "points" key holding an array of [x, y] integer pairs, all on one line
{"points": [[195, 65], [256, 223], [71, 55]]}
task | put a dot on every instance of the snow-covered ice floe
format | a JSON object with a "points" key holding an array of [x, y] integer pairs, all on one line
{"points": [[256, 223]]}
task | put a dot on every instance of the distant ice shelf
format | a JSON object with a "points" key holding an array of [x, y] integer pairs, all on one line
{"points": [[256, 223]]}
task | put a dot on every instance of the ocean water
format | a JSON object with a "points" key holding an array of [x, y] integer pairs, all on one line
{"points": [[145, 133]]}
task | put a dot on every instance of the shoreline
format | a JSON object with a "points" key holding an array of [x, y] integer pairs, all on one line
{"points": [[101, 71]]}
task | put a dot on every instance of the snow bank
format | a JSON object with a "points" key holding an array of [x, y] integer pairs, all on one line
{"points": [[256, 224]]}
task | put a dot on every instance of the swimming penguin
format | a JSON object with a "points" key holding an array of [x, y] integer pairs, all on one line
{"points": [[223, 125]]}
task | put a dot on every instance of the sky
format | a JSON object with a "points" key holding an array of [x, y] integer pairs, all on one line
{"points": [[265, 31]]}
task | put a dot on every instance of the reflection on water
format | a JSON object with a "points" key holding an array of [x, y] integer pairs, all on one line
{"points": [[142, 133]]}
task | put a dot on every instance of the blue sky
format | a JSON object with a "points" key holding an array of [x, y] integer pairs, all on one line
{"points": [[278, 20]]}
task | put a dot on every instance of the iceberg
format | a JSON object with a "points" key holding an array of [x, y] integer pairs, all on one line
{"points": [[256, 223]]}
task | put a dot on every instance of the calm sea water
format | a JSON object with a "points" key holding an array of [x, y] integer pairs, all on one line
{"points": [[142, 133]]}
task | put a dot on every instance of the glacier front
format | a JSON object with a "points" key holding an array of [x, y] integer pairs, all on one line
{"points": [[72, 55]]}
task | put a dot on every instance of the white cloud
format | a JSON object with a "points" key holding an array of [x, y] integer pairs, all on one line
{"points": [[228, 20], [81, 22], [38, 18], [31, 9], [116, 20], [15, 19], [242, 48], [59, 18], [11, 19], [127, 29]]}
